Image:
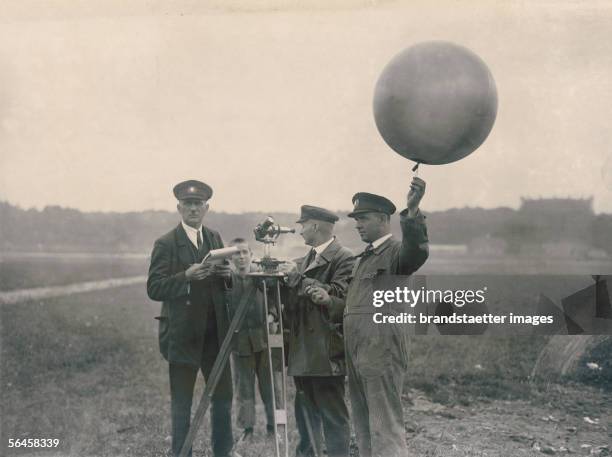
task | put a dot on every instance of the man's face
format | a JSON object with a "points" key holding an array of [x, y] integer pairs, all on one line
{"points": [[242, 259], [192, 211], [309, 228], [369, 226]]}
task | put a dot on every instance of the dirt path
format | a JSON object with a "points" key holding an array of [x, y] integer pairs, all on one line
{"points": [[39, 293], [562, 421]]}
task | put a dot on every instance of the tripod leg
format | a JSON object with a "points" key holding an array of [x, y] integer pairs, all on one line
{"points": [[217, 369], [275, 341], [282, 362]]}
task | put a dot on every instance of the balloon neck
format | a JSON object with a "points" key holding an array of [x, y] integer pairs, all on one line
{"points": [[415, 169]]}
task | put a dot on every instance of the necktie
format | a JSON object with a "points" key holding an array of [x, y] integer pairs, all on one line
{"points": [[369, 250], [199, 240], [311, 256]]}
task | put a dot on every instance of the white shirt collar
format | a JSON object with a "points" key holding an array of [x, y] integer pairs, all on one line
{"points": [[192, 233], [381, 240], [320, 248]]}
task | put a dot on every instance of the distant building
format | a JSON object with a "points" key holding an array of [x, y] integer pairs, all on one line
{"points": [[550, 227], [557, 219]]}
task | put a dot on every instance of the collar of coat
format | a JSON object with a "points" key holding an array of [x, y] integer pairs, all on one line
{"points": [[379, 249], [183, 240], [325, 257]]}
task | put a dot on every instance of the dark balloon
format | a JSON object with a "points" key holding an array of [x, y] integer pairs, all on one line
{"points": [[435, 103]]}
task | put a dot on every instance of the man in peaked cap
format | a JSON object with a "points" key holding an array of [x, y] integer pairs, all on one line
{"points": [[193, 319], [316, 348], [376, 354]]}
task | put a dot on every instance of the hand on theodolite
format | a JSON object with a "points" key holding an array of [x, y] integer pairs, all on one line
{"points": [[292, 275], [287, 266]]}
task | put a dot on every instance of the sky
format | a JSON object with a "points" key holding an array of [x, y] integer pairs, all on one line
{"points": [[104, 106]]}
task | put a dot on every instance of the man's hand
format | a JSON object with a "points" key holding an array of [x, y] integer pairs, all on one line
{"points": [[287, 267], [292, 276], [417, 190], [224, 271], [318, 295], [199, 271]]}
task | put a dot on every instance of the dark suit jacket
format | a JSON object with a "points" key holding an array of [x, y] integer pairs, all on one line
{"points": [[316, 347], [183, 318]]}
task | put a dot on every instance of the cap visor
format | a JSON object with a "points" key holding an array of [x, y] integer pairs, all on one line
{"points": [[360, 211], [186, 198], [363, 211]]}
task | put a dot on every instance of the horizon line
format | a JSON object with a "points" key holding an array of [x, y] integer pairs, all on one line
{"points": [[217, 211]]}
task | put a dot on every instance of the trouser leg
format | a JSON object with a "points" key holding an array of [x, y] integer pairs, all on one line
{"points": [[307, 419], [377, 359], [329, 400], [359, 409], [221, 404], [245, 383], [262, 367], [387, 434], [182, 380]]}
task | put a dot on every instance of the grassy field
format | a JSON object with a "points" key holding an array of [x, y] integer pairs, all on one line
{"points": [[86, 369], [53, 270], [22, 272]]}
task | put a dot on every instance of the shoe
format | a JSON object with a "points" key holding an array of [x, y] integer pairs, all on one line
{"points": [[270, 430], [247, 435]]}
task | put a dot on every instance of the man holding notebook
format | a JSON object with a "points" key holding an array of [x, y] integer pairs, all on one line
{"points": [[193, 319]]}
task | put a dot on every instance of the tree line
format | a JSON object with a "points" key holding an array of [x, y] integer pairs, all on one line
{"points": [[57, 229]]}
